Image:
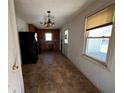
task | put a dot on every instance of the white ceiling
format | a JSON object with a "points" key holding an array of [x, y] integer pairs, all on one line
{"points": [[33, 11]]}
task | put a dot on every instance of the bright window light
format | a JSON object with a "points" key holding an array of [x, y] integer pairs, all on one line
{"points": [[48, 36], [35, 36], [66, 37]]}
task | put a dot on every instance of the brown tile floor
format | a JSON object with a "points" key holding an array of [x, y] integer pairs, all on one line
{"points": [[54, 73]]}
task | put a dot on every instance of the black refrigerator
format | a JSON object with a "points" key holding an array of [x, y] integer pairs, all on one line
{"points": [[28, 47]]}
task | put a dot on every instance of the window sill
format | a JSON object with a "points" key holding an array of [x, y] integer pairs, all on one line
{"points": [[65, 43], [97, 62]]}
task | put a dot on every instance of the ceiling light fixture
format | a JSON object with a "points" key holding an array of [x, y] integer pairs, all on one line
{"points": [[48, 20]]}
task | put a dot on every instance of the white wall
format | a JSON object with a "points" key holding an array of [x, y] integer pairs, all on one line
{"points": [[21, 25], [100, 77]]}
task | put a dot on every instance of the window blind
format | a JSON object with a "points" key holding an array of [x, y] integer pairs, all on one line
{"points": [[100, 18]]}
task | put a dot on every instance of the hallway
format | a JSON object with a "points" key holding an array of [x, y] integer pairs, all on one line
{"points": [[54, 73]]}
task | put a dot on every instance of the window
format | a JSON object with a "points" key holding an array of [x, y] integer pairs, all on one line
{"points": [[98, 34], [66, 37], [98, 42], [48, 36]]}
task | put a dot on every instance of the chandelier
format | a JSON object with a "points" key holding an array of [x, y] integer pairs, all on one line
{"points": [[48, 20]]}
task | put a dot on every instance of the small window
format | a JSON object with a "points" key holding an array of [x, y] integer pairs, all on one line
{"points": [[98, 34], [66, 37], [48, 36]]}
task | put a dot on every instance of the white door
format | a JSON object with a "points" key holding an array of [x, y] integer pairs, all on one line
{"points": [[15, 80]]}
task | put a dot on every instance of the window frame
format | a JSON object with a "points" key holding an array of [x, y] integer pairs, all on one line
{"points": [[51, 36], [110, 51]]}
